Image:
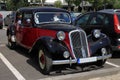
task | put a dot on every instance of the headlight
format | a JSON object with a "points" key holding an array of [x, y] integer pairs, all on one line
{"points": [[61, 35], [66, 54], [96, 33]]}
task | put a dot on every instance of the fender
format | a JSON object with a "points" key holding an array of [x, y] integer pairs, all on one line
{"points": [[53, 46], [11, 30], [103, 41]]}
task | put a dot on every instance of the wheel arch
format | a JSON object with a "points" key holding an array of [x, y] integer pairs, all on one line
{"points": [[43, 41]]}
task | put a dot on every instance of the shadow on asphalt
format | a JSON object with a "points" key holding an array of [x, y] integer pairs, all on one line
{"points": [[60, 70], [20, 50], [57, 70]]}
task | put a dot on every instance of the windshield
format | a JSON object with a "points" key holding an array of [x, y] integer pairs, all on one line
{"points": [[48, 17]]}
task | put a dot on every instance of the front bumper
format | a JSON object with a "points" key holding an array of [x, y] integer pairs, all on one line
{"points": [[81, 60]]}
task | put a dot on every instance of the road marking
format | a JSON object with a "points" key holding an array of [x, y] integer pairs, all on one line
{"points": [[12, 68], [112, 64]]}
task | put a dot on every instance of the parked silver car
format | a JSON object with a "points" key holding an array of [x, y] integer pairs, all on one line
{"points": [[9, 18]]}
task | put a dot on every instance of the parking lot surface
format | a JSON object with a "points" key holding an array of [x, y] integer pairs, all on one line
{"points": [[17, 65]]}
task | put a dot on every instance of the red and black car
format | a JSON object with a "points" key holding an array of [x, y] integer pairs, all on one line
{"points": [[49, 36]]}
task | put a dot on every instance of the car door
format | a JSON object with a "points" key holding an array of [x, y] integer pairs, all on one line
{"points": [[29, 33], [26, 34]]}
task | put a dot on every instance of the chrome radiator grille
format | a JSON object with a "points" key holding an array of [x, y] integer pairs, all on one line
{"points": [[79, 43]]}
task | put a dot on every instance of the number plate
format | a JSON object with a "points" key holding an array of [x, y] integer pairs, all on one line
{"points": [[86, 60]]}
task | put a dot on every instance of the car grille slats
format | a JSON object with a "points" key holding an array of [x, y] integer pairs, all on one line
{"points": [[78, 43]]}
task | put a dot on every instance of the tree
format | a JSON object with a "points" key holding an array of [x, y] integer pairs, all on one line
{"points": [[42, 2], [15, 4], [77, 2], [101, 3], [116, 4], [69, 4], [58, 4]]}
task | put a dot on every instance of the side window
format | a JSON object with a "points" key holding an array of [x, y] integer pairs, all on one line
{"points": [[18, 16], [107, 21], [97, 20], [83, 20], [27, 19]]}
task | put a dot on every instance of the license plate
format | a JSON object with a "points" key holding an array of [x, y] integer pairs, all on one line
{"points": [[86, 60]]}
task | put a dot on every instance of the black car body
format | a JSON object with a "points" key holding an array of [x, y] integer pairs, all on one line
{"points": [[56, 42], [108, 21]]}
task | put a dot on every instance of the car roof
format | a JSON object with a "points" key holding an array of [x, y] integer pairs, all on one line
{"points": [[42, 9], [110, 11]]}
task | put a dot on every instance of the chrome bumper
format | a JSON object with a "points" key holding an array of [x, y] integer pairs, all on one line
{"points": [[83, 60]]}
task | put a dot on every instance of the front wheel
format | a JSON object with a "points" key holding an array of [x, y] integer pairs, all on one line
{"points": [[44, 60]]}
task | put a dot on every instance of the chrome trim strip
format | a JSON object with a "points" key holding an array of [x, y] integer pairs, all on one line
{"points": [[59, 62]]}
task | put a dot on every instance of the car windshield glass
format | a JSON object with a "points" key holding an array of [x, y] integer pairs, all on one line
{"points": [[48, 17]]}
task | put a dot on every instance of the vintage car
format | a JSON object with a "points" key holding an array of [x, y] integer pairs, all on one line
{"points": [[48, 35]]}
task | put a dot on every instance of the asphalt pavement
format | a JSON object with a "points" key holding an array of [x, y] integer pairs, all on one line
{"points": [[17, 65]]}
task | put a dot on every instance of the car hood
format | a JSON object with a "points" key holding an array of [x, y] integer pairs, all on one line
{"points": [[59, 27]]}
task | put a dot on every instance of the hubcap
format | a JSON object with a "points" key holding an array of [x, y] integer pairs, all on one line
{"points": [[41, 59]]}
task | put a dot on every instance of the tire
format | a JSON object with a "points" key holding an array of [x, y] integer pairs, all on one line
{"points": [[100, 63], [44, 60], [11, 44]]}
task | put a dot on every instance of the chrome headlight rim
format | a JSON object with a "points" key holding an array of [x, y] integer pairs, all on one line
{"points": [[66, 54], [61, 35], [96, 33]]}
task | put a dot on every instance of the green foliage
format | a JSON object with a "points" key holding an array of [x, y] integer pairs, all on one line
{"points": [[76, 2], [58, 4], [15, 4], [101, 3], [116, 4]]}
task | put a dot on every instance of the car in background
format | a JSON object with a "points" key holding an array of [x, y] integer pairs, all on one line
{"points": [[74, 15], [1, 21], [107, 20], [9, 18], [50, 38]]}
